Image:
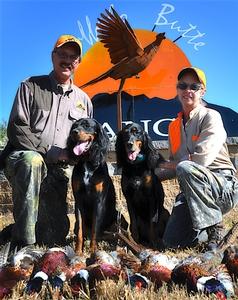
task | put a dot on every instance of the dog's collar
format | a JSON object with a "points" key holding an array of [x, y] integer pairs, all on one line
{"points": [[89, 152], [139, 159], [86, 156]]}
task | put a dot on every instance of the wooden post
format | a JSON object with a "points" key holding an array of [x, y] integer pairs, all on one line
{"points": [[119, 113]]}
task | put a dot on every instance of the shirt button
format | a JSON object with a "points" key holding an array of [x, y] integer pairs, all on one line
{"points": [[60, 114], [58, 129]]}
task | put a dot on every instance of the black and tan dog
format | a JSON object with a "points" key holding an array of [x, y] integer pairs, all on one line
{"points": [[93, 189], [142, 189]]}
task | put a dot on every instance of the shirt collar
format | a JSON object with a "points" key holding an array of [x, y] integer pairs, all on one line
{"points": [[56, 86], [192, 112]]}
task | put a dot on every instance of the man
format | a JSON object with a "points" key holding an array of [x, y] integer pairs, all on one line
{"points": [[200, 160], [44, 109]]}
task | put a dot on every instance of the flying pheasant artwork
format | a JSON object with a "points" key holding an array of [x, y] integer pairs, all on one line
{"points": [[126, 52]]}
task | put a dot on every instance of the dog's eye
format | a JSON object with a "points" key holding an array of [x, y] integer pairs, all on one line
{"points": [[136, 131]]}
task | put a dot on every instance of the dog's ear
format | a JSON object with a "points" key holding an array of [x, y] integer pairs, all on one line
{"points": [[154, 156], [161, 159], [101, 145], [120, 150], [103, 139], [151, 152]]}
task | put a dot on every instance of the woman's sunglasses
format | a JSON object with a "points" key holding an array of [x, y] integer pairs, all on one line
{"points": [[193, 86]]}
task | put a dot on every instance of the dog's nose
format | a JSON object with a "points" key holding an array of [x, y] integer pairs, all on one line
{"points": [[129, 144]]}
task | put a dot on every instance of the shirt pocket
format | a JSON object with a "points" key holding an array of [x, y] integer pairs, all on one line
{"points": [[74, 115]]}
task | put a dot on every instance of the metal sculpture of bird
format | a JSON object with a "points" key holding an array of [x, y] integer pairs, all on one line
{"points": [[126, 52]]}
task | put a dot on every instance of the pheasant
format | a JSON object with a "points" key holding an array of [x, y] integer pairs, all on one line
{"points": [[196, 279], [230, 259], [94, 273], [156, 274], [129, 263], [126, 52], [26, 257], [208, 272], [20, 268], [156, 266], [158, 258], [101, 257], [52, 266], [100, 266]]}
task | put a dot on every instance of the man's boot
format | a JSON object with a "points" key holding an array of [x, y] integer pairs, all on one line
{"points": [[215, 235]]}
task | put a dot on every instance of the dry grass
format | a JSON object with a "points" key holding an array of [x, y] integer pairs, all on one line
{"points": [[109, 289]]}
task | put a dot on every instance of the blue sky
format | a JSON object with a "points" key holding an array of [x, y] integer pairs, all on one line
{"points": [[29, 30]]}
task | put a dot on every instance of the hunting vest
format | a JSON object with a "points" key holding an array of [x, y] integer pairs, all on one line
{"points": [[175, 133]]}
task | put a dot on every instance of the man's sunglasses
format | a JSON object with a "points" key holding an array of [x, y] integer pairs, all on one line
{"points": [[193, 86], [64, 55]]}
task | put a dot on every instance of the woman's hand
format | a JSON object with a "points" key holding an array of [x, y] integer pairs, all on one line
{"points": [[169, 164]]}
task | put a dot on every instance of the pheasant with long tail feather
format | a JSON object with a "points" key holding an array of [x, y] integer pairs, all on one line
{"points": [[126, 52]]}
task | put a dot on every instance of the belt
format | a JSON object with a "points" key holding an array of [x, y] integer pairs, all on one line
{"points": [[225, 171]]}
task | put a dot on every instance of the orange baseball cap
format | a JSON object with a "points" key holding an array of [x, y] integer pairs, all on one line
{"points": [[63, 39], [200, 74]]}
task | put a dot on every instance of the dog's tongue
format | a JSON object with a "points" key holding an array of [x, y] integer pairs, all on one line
{"points": [[132, 155], [80, 148]]}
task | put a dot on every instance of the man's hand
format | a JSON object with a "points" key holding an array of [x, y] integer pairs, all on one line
{"points": [[63, 156], [73, 162]]}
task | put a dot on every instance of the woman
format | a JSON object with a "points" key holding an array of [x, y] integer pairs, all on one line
{"points": [[199, 158]]}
